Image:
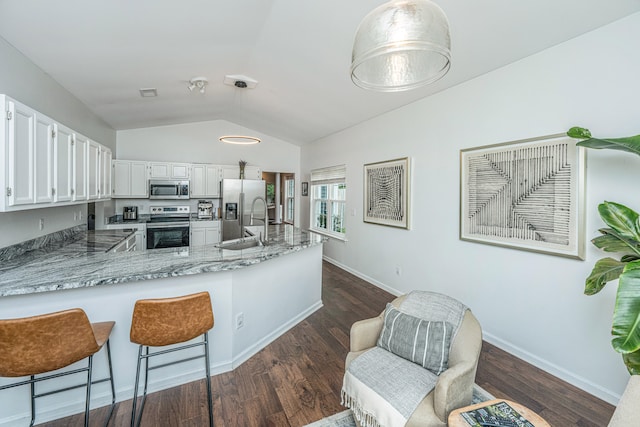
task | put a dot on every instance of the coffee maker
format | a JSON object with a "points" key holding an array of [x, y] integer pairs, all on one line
{"points": [[205, 209], [130, 213]]}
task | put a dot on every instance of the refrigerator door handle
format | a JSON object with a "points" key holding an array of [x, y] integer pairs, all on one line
{"points": [[241, 213]]}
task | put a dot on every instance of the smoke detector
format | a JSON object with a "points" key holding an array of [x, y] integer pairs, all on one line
{"points": [[240, 81]]}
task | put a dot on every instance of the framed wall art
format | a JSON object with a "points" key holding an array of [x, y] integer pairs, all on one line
{"points": [[305, 188], [386, 192], [527, 194]]}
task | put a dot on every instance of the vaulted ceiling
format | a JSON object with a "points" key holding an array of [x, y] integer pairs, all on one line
{"points": [[299, 51]]}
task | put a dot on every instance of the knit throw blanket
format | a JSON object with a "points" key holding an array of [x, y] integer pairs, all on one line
{"points": [[382, 389]]}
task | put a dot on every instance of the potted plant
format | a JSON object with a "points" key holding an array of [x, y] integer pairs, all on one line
{"points": [[621, 237]]}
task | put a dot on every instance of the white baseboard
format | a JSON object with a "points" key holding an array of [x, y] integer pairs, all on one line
{"points": [[254, 349], [553, 369], [545, 365], [363, 276]]}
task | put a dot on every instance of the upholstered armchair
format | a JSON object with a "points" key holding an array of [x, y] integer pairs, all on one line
{"points": [[627, 412], [452, 384]]}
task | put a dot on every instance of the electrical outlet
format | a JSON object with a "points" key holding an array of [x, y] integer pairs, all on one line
{"points": [[41, 224], [239, 320], [398, 270]]}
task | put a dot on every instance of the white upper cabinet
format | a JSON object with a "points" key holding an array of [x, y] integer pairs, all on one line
{"points": [[64, 163], [164, 170], [80, 169], [139, 179], [105, 173], [19, 135], [46, 163], [130, 179], [205, 180], [93, 174], [43, 159]]}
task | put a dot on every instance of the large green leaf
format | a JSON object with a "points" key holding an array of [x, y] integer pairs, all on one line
{"points": [[612, 241], [579, 133], [626, 316], [621, 219], [604, 271], [630, 144], [629, 258], [632, 360]]}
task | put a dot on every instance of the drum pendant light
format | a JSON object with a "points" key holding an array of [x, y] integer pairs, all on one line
{"points": [[401, 45]]}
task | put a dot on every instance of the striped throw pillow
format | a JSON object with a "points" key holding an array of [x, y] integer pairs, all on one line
{"points": [[425, 342]]}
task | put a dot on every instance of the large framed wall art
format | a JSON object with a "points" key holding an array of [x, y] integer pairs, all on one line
{"points": [[527, 194], [386, 192]]}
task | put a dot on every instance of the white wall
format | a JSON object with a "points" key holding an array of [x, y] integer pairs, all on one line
{"points": [[198, 143], [24, 81], [529, 304]]}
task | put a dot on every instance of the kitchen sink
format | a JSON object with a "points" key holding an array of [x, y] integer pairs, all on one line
{"points": [[239, 245]]}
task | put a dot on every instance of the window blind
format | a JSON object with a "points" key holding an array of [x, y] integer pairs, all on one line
{"points": [[329, 174]]}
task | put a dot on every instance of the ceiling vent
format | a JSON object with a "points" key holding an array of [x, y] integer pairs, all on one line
{"points": [[148, 92], [240, 81]]}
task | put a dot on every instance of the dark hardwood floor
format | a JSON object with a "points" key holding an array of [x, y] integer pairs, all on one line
{"points": [[297, 379]]}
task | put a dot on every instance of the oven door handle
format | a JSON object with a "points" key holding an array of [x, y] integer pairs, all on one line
{"points": [[168, 225]]}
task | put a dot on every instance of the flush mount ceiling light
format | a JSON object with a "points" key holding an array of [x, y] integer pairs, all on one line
{"points": [[401, 45], [240, 139], [198, 82]]}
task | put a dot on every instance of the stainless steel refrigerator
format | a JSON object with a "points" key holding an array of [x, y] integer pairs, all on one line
{"points": [[243, 207]]}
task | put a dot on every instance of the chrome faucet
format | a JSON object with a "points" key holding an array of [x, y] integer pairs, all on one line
{"points": [[266, 216]]}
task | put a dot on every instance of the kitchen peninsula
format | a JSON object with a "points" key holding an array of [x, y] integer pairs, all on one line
{"points": [[257, 294]]}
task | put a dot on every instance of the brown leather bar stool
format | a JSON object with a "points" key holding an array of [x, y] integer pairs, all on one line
{"points": [[41, 344], [167, 321]]}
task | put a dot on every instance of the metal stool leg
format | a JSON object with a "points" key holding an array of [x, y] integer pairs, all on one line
{"points": [[208, 379], [88, 403], [113, 388], [33, 401], [135, 389]]}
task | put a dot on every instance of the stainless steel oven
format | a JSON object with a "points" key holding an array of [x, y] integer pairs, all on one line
{"points": [[168, 227], [168, 189]]}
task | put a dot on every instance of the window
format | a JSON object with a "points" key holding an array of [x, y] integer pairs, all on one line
{"points": [[289, 197], [328, 201]]}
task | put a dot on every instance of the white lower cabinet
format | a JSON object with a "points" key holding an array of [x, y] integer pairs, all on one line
{"points": [[140, 236], [127, 245], [204, 233]]}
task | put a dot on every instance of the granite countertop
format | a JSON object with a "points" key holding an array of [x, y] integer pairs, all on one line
{"points": [[72, 265], [117, 219]]}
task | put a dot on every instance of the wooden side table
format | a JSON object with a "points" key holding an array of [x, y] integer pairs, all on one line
{"points": [[456, 420]]}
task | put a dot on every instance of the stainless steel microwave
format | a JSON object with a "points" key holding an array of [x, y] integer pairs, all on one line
{"points": [[168, 189]]}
